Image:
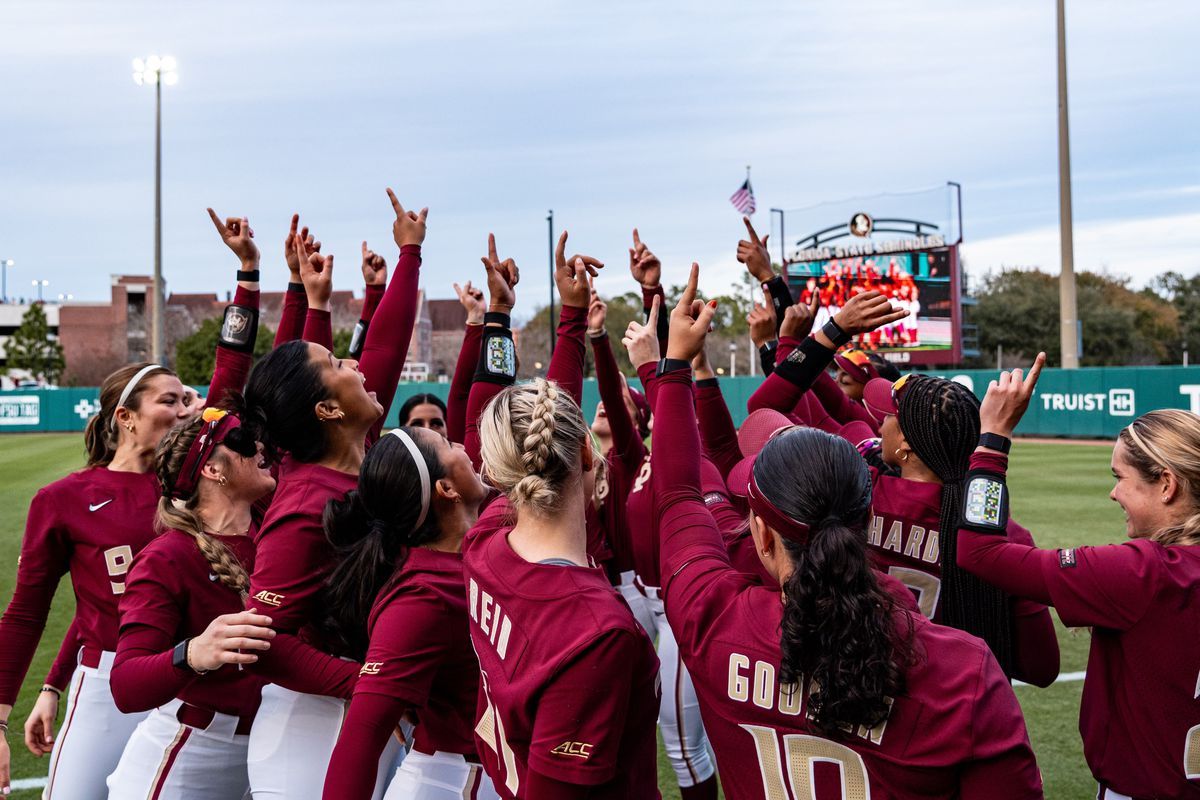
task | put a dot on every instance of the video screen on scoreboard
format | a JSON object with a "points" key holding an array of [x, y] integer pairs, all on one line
{"points": [[918, 282]]}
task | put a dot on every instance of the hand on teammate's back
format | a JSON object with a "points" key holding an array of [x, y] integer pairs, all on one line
{"points": [[689, 321], [641, 339], [502, 278], [1007, 399], [226, 637]]}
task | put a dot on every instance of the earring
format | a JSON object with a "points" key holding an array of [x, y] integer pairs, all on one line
{"points": [[129, 427], [903, 456], [221, 480]]}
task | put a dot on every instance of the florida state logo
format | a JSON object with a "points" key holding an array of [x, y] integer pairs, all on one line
{"points": [[861, 224]]}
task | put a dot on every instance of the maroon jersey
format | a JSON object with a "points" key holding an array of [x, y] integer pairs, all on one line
{"points": [[957, 731], [173, 594], [569, 680], [294, 557], [90, 523]]}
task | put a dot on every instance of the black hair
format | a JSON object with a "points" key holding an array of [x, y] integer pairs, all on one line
{"points": [[281, 396], [424, 398], [940, 420], [371, 530], [840, 629], [884, 368]]}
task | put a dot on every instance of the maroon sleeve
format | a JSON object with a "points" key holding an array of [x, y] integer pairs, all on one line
{"points": [[838, 404], [716, 499], [586, 701], [1002, 765], [777, 393], [566, 365], [481, 394], [318, 328], [543, 787], [291, 320], [143, 676], [627, 444], [372, 718], [232, 366], [63, 668], [294, 664], [717, 431], [1107, 586], [290, 557], [386, 345], [371, 299], [460, 384], [664, 315], [650, 385], [409, 641], [1035, 642], [45, 558]]}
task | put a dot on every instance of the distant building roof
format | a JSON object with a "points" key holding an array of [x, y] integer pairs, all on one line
{"points": [[447, 315]]}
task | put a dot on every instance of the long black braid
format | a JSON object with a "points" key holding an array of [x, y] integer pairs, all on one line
{"points": [[940, 420]]}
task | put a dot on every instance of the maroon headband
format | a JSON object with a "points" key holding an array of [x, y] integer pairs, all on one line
{"points": [[785, 526], [217, 425]]}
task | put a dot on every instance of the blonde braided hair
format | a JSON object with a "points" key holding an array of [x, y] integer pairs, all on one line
{"points": [[531, 437], [181, 515]]}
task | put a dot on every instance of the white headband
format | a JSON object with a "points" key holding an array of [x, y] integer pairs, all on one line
{"points": [[128, 390], [422, 470]]}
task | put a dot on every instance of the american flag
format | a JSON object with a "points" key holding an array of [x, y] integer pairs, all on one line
{"points": [[743, 199]]}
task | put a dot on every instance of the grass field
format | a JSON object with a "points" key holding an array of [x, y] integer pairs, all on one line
{"points": [[1059, 492]]}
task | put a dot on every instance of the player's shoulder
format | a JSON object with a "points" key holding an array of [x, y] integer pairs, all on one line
{"points": [[945, 659], [169, 547], [73, 482]]}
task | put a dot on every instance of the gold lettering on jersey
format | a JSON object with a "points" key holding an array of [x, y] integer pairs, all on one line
{"points": [[912, 547], [875, 535], [895, 537], [485, 612], [756, 682], [490, 617], [574, 749], [473, 592], [117, 560], [371, 668], [803, 751], [270, 598], [643, 476], [932, 554]]}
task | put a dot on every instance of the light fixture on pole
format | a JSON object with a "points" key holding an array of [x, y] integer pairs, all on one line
{"points": [[42, 284], [155, 71], [4, 265]]}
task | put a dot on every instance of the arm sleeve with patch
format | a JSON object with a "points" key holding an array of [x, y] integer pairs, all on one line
{"points": [[581, 714], [408, 642]]}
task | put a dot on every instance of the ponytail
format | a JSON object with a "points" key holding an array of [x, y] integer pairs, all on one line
{"points": [[371, 530], [100, 435]]}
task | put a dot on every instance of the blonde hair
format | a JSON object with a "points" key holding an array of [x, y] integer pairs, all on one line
{"points": [[1169, 440], [181, 515], [531, 438]]}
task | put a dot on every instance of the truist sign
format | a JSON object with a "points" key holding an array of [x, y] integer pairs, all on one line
{"points": [[1116, 402]]}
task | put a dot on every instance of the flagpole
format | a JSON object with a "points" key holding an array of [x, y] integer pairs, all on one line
{"points": [[748, 182]]}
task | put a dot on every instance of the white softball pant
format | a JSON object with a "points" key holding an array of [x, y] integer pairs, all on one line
{"points": [[92, 736], [292, 741], [635, 596], [679, 720], [168, 760], [441, 776]]}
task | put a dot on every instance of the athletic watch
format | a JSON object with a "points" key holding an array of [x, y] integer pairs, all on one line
{"points": [[666, 365], [179, 658], [994, 441], [835, 334], [248, 275]]}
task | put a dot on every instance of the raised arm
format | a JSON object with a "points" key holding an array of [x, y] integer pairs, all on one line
{"points": [[239, 327], [387, 341], [316, 272], [627, 444], [497, 365], [571, 276], [374, 271], [646, 269], [717, 431], [295, 302], [468, 358], [754, 254]]}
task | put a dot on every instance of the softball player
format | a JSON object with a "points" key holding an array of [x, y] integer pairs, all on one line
{"points": [[833, 691], [91, 524], [1139, 714]]}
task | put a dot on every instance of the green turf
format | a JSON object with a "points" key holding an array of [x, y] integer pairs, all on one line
{"points": [[1059, 492]]}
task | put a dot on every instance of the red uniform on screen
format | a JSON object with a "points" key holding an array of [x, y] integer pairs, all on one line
{"points": [[91, 523], [569, 680], [173, 594]]}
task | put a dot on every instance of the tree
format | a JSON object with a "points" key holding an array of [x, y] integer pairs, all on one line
{"points": [[1184, 296], [195, 355], [31, 347]]}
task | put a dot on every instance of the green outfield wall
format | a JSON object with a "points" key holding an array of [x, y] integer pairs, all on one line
{"points": [[1083, 403]]}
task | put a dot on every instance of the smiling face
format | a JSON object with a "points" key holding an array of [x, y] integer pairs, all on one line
{"points": [[160, 406], [1146, 503], [248, 478], [346, 387], [459, 472]]}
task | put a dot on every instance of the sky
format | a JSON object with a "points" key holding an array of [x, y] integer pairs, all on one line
{"points": [[612, 114]]}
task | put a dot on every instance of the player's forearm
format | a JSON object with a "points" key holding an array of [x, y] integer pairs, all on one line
{"points": [[717, 431], [1035, 648], [291, 320], [21, 628], [63, 668], [144, 681], [627, 444], [296, 665], [460, 384], [386, 345], [318, 327], [566, 365], [371, 720]]}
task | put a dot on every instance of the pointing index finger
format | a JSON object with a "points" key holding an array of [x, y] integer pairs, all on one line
{"points": [[1035, 372], [750, 227], [689, 293], [492, 248], [217, 221], [560, 251], [399, 209], [637, 240]]}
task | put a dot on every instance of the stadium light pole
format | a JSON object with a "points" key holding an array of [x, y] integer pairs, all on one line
{"points": [[156, 71], [1068, 316], [42, 284], [4, 265]]}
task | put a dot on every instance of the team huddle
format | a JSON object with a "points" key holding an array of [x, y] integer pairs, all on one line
{"points": [[276, 598]]}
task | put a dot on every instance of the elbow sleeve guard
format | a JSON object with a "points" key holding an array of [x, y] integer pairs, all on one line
{"points": [[239, 328], [804, 364], [985, 502]]}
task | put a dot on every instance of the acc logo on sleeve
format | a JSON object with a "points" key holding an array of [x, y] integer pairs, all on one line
{"points": [[574, 749], [270, 598], [371, 668]]}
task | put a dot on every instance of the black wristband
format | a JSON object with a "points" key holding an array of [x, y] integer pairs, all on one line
{"points": [[706, 383], [804, 364], [769, 348], [835, 334], [296, 287], [781, 297], [497, 357], [239, 328], [994, 441], [179, 656], [766, 356], [497, 317], [666, 365], [358, 338], [248, 275], [985, 502]]}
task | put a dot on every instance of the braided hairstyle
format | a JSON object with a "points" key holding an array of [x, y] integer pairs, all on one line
{"points": [[371, 530], [840, 628], [940, 420], [531, 438], [181, 515]]}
